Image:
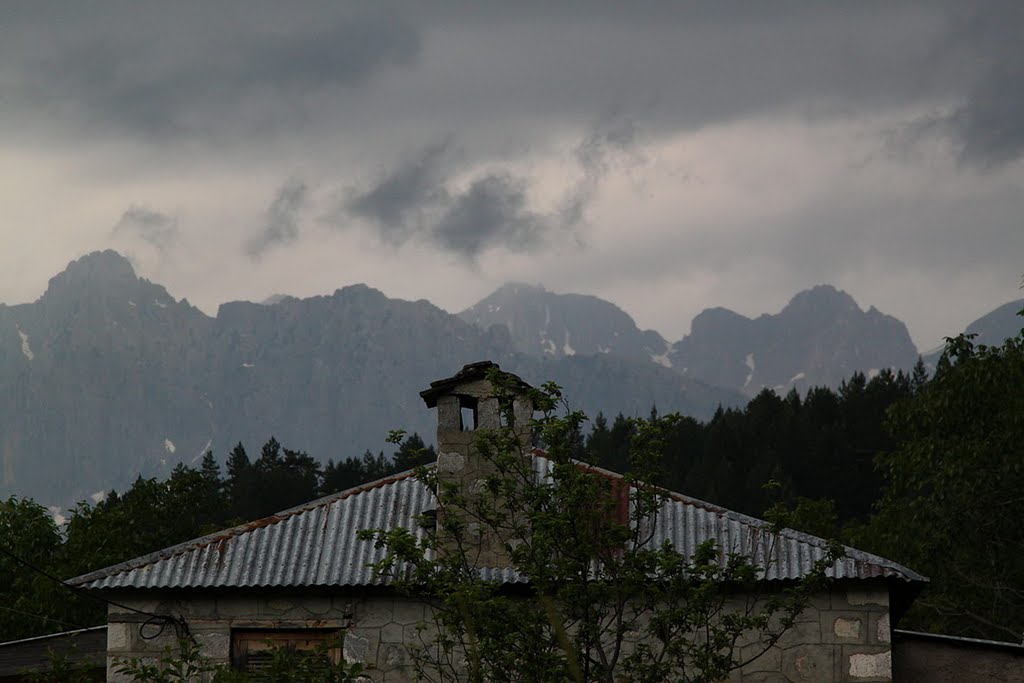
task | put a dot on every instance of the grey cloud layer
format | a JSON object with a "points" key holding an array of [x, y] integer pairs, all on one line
{"points": [[414, 200], [136, 95], [153, 227], [281, 224], [396, 204], [194, 68], [989, 125], [158, 72], [494, 210]]}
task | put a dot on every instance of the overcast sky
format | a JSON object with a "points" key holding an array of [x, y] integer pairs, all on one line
{"points": [[666, 156]]}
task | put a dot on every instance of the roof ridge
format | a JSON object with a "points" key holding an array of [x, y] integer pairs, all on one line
{"points": [[398, 499]]}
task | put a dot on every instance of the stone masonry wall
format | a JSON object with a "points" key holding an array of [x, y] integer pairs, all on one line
{"points": [[843, 637], [459, 462], [375, 627]]}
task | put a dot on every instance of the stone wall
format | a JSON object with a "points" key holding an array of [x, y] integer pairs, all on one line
{"points": [[842, 638], [375, 627], [460, 463]]}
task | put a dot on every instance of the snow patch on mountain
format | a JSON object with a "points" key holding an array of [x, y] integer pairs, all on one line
{"points": [[567, 347], [751, 366], [663, 357], [797, 377], [169, 446], [99, 497], [26, 350], [202, 451]]}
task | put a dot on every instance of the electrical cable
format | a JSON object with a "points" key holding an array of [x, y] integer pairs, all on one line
{"points": [[180, 625], [44, 618]]}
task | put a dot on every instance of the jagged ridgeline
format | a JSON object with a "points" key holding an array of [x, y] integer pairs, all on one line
{"points": [[107, 376]]}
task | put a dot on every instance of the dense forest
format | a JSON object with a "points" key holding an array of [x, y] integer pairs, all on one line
{"points": [[925, 471]]}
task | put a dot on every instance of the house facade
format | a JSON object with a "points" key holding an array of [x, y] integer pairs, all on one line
{"points": [[303, 576]]}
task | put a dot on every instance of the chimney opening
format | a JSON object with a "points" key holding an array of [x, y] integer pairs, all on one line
{"points": [[467, 413]]}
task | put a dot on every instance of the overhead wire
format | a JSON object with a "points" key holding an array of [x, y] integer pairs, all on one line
{"points": [[41, 616], [180, 625]]}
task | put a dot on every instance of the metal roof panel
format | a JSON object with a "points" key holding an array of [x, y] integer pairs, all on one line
{"points": [[316, 544]]}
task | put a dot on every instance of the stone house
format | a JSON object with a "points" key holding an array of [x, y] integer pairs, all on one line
{"points": [[301, 575]]}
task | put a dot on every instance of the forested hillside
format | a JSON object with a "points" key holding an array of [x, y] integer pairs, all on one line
{"points": [[919, 470]]}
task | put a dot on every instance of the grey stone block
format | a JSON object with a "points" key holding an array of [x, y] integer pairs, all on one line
{"points": [[408, 612], [119, 636], [873, 597], [355, 647], [487, 414], [808, 663], [865, 663], [395, 655], [392, 633], [770, 660], [374, 613], [451, 462], [843, 627], [214, 644], [765, 677]]}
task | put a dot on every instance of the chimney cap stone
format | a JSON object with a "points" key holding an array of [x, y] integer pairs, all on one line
{"points": [[469, 373]]}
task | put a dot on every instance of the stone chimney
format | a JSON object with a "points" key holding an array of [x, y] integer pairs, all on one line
{"points": [[468, 405]]}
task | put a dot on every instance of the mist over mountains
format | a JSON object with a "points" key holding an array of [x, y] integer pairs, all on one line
{"points": [[107, 376]]}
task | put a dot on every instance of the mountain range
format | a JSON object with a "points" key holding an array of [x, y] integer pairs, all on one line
{"points": [[107, 376]]}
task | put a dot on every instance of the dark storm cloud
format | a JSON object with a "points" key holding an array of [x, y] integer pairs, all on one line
{"points": [[199, 68], [989, 125], [281, 222], [396, 203], [492, 212], [153, 227], [189, 68], [592, 155], [414, 200]]}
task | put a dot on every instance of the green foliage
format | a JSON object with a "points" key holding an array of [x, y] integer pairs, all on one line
{"points": [[28, 600], [953, 499], [820, 447], [287, 665], [597, 601], [184, 664], [60, 668], [154, 514]]}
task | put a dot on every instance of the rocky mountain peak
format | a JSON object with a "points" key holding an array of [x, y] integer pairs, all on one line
{"points": [[98, 269], [544, 323], [821, 300], [718, 318], [104, 277], [821, 337]]}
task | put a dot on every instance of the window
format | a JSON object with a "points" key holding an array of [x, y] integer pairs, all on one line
{"points": [[253, 651]]}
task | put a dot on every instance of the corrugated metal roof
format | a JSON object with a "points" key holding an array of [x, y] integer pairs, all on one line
{"points": [[316, 544]]}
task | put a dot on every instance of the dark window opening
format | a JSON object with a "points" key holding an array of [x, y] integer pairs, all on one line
{"points": [[467, 413]]}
